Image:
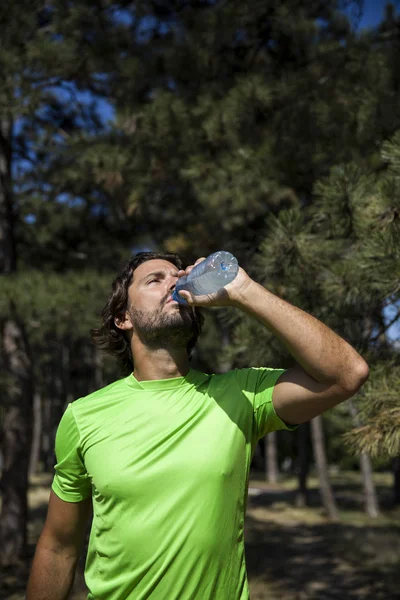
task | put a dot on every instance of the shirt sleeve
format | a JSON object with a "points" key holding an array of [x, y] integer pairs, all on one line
{"points": [[258, 385], [71, 481]]}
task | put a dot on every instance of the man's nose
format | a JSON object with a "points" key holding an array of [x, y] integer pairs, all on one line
{"points": [[172, 282]]}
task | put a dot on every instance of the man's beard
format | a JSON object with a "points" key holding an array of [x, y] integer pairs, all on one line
{"points": [[159, 329]]}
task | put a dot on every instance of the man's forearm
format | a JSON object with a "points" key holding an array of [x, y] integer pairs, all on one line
{"points": [[322, 354], [52, 574]]}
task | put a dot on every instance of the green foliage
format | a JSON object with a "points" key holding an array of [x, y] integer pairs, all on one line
{"points": [[339, 259], [58, 311], [61, 306], [207, 118], [57, 61], [249, 126], [337, 422], [379, 405]]}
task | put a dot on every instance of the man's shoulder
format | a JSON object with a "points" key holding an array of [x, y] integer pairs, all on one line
{"points": [[240, 372], [102, 394], [229, 378], [248, 378]]}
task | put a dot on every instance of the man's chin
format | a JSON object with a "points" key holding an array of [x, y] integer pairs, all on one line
{"points": [[171, 324]]}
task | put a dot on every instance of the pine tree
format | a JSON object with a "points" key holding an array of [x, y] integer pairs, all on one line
{"points": [[339, 260], [48, 59], [364, 284], [227, 114]]}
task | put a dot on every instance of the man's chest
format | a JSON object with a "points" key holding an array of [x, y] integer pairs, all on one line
{"points": [[163, 447]]}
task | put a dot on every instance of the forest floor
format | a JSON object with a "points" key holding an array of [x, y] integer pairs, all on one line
{"points": [[291, 553]]}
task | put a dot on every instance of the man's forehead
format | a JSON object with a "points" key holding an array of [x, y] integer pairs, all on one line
{"points": [[155, 264]]}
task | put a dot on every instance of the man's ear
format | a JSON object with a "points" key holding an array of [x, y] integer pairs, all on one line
{"points": [[123, 322]]}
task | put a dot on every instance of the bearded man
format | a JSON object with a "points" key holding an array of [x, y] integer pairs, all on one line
{"points": [[162, 456]]}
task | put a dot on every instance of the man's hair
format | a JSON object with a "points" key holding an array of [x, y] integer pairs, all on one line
{"points": [[112, 340]]}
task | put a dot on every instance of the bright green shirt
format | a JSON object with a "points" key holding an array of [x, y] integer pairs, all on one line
{"points": [[166, 463]]}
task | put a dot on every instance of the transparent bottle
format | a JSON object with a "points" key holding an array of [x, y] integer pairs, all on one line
{"points": [[209, 276]]}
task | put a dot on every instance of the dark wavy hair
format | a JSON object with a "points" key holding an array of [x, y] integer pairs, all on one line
{"points": [[112, 340]]}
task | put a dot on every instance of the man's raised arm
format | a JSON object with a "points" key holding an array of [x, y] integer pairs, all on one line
{"points": [[328, 369]]}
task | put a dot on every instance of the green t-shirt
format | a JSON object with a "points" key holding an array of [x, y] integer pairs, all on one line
{"points": [[166, 463]]}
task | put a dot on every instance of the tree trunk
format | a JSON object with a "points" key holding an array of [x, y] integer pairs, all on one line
{"points": [[59, 396], [303, 464], [66, 392], [327, 497], [16, 439], [271, 457], [37, 434], [47, 434], [7, 238], [225, 341], [396, 486], [370, 497], [15, 362], [98, 368]]}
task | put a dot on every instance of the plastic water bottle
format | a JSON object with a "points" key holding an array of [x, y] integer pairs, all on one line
{"points": [[209, 276]]}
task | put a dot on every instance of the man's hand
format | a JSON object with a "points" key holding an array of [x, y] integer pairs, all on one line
{"points": [[226, 296]]}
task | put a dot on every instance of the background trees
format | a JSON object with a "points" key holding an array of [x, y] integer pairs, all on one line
{"points": [[264, 128], [48, 61]]}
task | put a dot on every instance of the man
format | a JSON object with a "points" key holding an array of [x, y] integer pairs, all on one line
{"points": [[163, 455]]}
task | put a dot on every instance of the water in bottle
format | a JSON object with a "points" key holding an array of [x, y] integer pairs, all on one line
{"points": [[209, 276]]}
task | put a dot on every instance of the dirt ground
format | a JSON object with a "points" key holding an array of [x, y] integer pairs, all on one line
{"points": [[291, 553]]}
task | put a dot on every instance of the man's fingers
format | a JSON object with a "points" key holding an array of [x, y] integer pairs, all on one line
{"points": [[198, 261], [186, 296]]}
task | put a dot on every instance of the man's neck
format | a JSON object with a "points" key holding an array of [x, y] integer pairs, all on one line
{"points": [[160, 364]]}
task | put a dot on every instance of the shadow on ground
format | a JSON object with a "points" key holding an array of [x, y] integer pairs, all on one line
{"points": [[291, 554], [294, 560], [349, 495]]}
